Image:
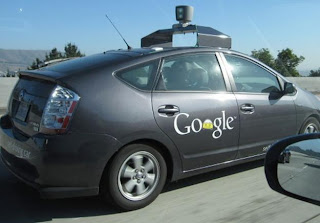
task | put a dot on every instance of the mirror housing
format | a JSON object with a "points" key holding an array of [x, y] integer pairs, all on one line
{"points": [[274, 157], [275, 95], [289, 88]]}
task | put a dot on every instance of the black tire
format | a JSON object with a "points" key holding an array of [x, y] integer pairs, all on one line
{"points": [[311, 125], [135, 177], [281, 159], [288, 159]]}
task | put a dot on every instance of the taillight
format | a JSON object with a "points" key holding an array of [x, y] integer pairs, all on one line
{"points": [[58, 110]]}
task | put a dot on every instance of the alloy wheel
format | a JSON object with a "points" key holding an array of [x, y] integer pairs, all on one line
{"points": [[311, 128], [138, 176]]}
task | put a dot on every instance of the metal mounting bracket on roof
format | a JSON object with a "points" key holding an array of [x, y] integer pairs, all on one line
{"points": [[206, 36]]}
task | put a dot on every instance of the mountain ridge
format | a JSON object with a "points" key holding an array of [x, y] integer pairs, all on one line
{"points": [[15, 59]]}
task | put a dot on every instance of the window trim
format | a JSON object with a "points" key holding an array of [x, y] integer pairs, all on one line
{"points": [[223, 73], [230, 75]]}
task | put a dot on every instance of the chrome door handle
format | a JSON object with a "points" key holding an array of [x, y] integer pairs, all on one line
{"points": [[168, 110], [247, 108]]}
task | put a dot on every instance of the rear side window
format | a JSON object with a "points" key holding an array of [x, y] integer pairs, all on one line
{"points": [[140, 76]]}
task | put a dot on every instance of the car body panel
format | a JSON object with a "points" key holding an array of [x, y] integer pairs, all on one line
{"points": [[45, 163], [256, 131], [307, 105], [199, 146]]}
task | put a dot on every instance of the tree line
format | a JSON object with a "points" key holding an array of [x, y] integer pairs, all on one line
{"points": [[286, 62], [315, 73], [70, 50]]}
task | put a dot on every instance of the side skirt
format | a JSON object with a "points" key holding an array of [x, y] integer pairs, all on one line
{"points": [[193, 172]]}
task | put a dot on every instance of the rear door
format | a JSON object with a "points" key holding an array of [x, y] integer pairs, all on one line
{"points": [[193, 106], [265, 115]]}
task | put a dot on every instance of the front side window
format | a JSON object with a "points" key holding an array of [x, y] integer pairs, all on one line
{"points": [[141, 76], [250, 77], [200, 72]]}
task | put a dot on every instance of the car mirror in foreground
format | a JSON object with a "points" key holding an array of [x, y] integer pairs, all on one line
{"points": [[292, 167]]}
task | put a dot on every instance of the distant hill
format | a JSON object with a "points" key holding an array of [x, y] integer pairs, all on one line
{"points": [[19, 59]]}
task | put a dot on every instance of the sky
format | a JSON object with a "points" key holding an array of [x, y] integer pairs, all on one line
{"points": [[252, 24]]}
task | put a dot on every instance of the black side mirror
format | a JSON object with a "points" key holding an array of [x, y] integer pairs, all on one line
{"points": [[289, 88], [292, 167]]}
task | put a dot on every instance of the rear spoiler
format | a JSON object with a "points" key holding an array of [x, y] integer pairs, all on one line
{"points": [[42, 75], [51, 62]]}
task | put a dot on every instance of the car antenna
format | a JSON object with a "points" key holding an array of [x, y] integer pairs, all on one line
{"points": [[129, 47]]}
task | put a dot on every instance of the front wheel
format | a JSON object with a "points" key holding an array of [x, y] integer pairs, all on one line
{"points": [[311, 126], [136, 176]]}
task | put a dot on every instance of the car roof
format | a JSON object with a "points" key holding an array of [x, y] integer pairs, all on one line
{"points": [[164, 50], [149, 50]]}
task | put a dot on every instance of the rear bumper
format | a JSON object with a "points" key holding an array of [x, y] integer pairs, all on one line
{"points": [[51, 192], [61, 166]]}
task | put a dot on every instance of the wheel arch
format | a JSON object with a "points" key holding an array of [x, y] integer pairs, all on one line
{"points": [[316, 116], [173, 167], [163, 150]]}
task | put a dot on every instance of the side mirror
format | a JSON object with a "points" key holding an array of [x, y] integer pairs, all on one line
{"points": [[289, 88], [292, 167]]}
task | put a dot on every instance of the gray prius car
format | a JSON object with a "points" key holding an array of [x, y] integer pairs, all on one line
{"points": [[122, 123]]}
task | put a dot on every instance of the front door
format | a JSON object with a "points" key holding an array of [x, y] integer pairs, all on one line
{"points": [[191, 105], [265, 115]]}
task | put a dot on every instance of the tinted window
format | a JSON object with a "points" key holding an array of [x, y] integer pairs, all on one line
{"points": [[191, 73], [141, 76], [250, 77]]}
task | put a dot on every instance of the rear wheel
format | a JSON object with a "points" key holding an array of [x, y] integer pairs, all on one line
{"points": [[136, 176], [311, 126]]}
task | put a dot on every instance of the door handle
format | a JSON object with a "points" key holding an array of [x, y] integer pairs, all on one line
{"points": [[168, 110], [247, 108]]}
